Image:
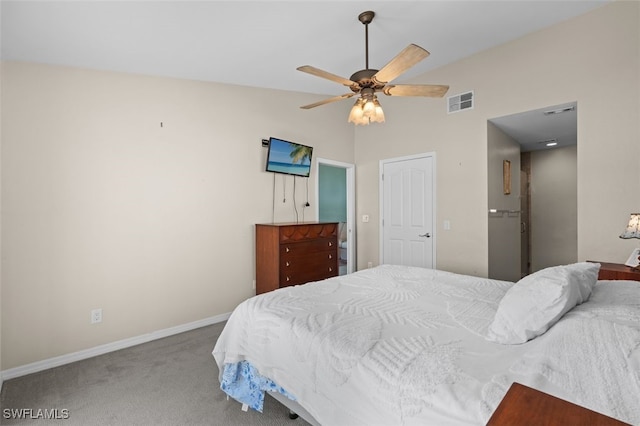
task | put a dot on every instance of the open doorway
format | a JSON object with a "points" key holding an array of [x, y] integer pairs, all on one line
{"points": [[534, 224], [335, 202]]}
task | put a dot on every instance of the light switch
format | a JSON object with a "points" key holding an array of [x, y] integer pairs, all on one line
{"points": [[365, 218]]}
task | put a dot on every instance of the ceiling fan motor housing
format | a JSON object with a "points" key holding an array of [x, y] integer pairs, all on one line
{"points": [[364, 78]]}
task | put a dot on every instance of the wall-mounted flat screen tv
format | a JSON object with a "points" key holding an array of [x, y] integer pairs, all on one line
{"points": [[288, 157]]}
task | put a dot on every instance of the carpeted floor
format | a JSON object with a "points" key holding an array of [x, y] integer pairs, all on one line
{"points": [[171, 381]]}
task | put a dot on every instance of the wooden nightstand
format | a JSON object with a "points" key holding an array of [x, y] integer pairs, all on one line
{"points": [[617, 271], [525, 406]]}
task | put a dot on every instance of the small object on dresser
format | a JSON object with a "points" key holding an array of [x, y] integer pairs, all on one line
{"points": [[634, 259]]}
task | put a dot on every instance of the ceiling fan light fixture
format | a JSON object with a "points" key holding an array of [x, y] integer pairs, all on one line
{"points": [[379, 114], [355, 116], [368, 109]]}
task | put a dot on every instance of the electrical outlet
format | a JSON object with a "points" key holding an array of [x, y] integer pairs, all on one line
{"points": [[369, 264], [96, 316]]}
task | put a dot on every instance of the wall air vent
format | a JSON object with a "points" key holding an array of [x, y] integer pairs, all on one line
{"points": [[460, 102]]}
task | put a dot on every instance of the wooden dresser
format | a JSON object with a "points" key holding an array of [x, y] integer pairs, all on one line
{"points": [[295, 253]]}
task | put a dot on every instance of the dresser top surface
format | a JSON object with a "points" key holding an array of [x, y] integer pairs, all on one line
{"points": [[295, 223], [614, 266]]}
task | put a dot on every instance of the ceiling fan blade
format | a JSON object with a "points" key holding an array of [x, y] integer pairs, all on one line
{"points": [[404, 60], [324, 74], [431, 90], [327, 101]]}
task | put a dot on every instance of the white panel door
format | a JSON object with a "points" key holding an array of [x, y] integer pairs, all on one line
{"points": [[407, 216]]}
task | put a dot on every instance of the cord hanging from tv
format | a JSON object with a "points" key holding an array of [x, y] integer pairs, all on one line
{"points": [[288, 158]]}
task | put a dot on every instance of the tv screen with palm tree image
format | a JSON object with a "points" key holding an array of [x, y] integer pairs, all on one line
{"points": [[289, 158]]}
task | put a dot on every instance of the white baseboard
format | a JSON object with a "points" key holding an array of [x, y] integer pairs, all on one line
{"points": [[57, 361]]}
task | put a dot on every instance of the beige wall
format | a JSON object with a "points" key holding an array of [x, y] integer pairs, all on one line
{"points": [[503, 228], [1, 254], [554, 207], [592, 59], [102, 207], [105, 208]]}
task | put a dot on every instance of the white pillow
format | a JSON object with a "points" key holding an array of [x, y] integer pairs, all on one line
{"points": [[537, 301]]}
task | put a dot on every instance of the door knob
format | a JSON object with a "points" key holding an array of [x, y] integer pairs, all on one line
{"points": [[426, 235]]}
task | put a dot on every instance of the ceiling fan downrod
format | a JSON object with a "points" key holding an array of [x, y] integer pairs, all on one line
{"points": [[366, 18]]}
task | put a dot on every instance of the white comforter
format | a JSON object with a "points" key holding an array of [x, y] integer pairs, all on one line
{"points": [[396, 345]]}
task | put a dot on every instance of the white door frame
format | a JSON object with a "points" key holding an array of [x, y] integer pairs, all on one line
{"points": [[351, 206], [381, 198]]}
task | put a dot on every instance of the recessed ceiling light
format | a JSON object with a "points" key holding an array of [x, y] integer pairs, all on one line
{"points": [[552, 143], [559, 110]]}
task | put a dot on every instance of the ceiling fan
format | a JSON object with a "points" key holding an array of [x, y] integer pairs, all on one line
{"points": [[368, 82]]}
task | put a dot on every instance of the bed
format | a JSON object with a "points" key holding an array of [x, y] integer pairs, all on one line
{"points": [[396, 345]]}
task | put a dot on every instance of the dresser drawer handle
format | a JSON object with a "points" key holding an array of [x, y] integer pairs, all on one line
{"points": [[330, 269], [330, 256], [330, 243], [287, 263], [286, 249], [288, 279]]}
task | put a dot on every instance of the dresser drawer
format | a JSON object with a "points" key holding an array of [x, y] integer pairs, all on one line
{"points": [[308, 232], [309, 261], [289, 250], [299, 262], [300, 273]]}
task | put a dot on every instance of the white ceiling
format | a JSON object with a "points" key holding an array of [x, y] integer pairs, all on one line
{"points": [[532, 129], [260, 43]]}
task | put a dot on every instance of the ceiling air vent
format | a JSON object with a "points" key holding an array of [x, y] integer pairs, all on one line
{"points": [[460, 102]]}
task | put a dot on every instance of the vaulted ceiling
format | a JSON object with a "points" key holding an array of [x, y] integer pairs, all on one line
{"points": [[260, 43]]}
